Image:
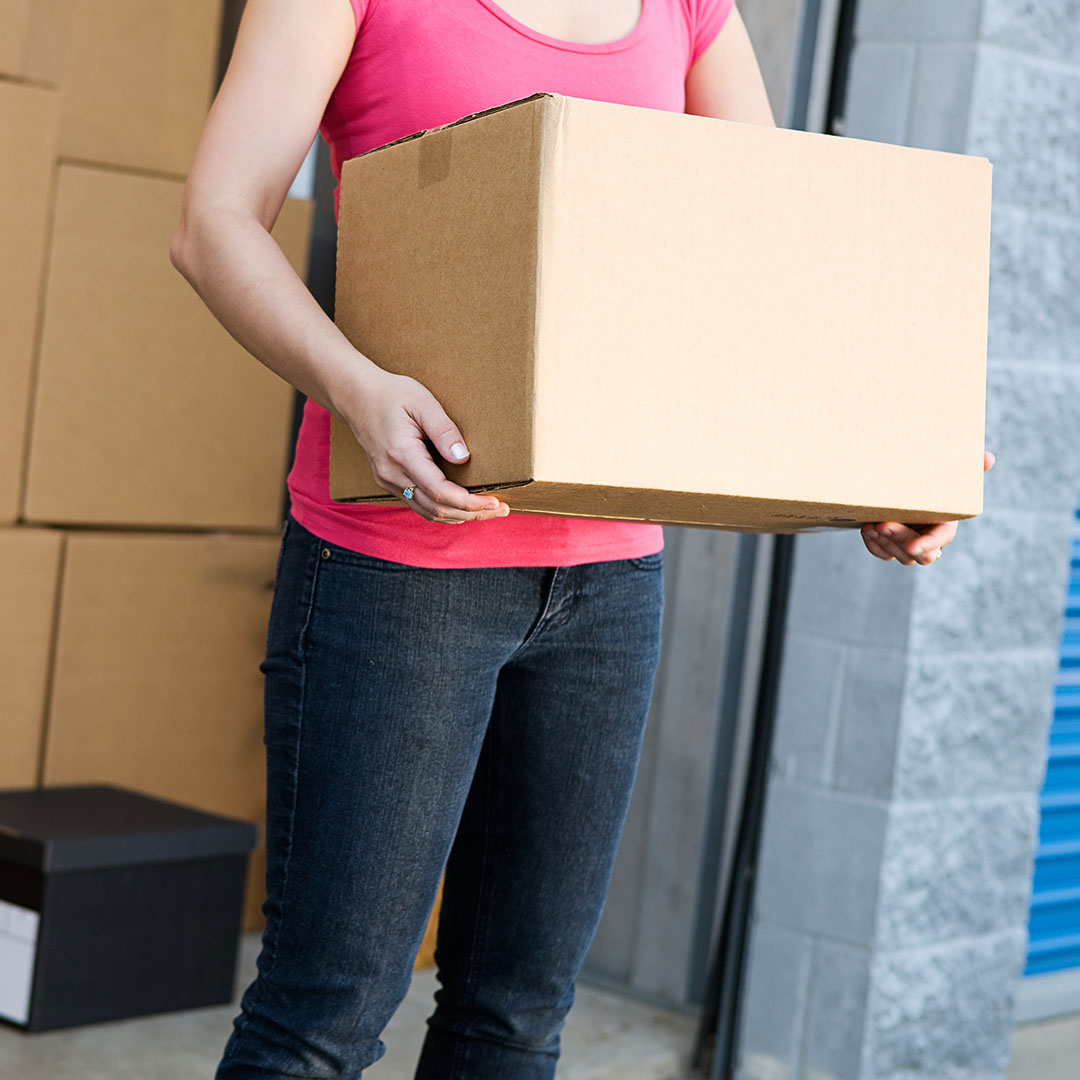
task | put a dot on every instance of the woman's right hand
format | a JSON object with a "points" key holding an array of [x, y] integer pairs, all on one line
{"points": [[390, 419]]}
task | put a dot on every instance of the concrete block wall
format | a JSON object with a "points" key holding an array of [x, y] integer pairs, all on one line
{"points": [[889, 930]]}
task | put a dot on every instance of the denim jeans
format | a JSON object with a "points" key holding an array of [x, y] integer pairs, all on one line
{"points": [[486, 721]]}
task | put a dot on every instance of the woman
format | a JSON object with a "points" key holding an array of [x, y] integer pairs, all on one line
{"points": [[435, 696]]}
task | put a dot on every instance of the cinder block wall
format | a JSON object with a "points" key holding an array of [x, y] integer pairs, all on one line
{"points": [[890, 923]]}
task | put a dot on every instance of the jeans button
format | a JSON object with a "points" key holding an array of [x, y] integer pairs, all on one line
{"points": [[325, 553]]}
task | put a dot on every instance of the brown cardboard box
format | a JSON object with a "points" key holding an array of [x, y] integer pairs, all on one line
{"points": [[28, 119], [641, 314], [156, 683], [29, 571], [147, 412], [137, 77], [14, 35]]}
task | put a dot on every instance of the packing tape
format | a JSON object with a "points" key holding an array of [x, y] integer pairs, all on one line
{"points": [[434, 159]]}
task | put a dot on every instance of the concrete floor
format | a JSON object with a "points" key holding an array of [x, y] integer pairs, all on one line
{"points": [[1046, 1051], [607, 1037]]}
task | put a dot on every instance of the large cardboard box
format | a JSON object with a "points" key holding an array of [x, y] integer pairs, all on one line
{"points": [[146, 411], [28, 131], [156, 683], [137, 78], [29, 574], [640, 314]]}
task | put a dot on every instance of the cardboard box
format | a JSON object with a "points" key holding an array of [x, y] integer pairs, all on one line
{"points": [[137, 78], [29, 573], [14, 35], [146, 411], [28, 132], [156, 682], [640, 314], [102, 892]]}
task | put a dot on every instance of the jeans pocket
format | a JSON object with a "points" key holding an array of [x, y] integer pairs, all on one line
{"points": [[336, 553]]}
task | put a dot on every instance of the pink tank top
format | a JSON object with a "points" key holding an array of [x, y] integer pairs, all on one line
{"points": [[417, 64]]}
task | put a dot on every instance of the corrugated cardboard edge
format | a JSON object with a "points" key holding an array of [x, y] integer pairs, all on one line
{"points": [[705, 510], [553, 120]]}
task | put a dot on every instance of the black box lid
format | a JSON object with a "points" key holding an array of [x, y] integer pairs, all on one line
{"points": [[78, 827]]}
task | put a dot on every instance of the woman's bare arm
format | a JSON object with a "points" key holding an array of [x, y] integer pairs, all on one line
{"points": [[726, 81], [288, 57]]}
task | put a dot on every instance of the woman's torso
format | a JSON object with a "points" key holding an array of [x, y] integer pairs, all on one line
{"points": [[417, 64]]}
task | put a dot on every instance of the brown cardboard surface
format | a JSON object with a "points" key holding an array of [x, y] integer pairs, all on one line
{"points": [[694, 321], [156, 683], [430, 278], [146, 411], [14, 34], [137, 78], [29, 569], [28, 131]]}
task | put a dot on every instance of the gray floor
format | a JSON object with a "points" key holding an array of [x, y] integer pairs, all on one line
{"points": [[607, 1037], [1047, 1051]]}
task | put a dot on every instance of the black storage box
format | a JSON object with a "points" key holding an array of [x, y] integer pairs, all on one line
{"points": [[115, 904]]}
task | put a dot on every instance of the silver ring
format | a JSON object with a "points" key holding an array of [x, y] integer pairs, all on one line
{"points": [[409, 492]]}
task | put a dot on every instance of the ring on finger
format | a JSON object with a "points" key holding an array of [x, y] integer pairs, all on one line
{"points": [[409, 492]]}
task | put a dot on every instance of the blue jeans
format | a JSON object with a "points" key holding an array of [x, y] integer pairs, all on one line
{"points": [[486, 721]]}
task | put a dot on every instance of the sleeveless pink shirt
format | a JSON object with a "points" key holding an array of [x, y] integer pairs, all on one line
{"points": [[416, 64]]}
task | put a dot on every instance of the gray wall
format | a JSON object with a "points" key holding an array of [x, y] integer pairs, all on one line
{"points": [[773, 26], [890, 923]]}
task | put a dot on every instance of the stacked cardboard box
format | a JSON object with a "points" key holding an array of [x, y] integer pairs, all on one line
{"points": [[28, 134], [136, 79], [156, 683], [146, 411], [29, 574], [125, 405]]}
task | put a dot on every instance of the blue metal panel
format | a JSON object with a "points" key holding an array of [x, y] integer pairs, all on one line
{"points": [[1054, 927]]}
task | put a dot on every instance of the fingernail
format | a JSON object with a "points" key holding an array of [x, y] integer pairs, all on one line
{"points": [[886, 532], [872, 533], [458, 451]]}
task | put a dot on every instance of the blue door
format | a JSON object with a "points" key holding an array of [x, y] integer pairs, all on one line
{"points": [[1054, 927]]}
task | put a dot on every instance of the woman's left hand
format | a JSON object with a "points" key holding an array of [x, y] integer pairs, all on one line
{"points": [[909, 544]]}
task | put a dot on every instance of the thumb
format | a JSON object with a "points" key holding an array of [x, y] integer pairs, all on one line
{"points": [[443, 432]]}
